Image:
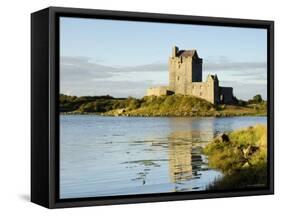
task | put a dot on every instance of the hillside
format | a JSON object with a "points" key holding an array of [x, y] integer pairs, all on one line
{"points": [[173, 105]]}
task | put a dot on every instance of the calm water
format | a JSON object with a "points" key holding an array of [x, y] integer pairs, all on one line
{"points": [[105, 156]]}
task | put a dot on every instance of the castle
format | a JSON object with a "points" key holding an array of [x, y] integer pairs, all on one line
{"points": [[185, 77]]}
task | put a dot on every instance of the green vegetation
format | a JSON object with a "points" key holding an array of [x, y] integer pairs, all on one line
{"points": [[88, 104], [257, 99], [242, 157], [172, 105]]}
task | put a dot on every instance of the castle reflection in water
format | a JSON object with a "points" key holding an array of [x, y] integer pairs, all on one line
{"points": [[185, 146]]}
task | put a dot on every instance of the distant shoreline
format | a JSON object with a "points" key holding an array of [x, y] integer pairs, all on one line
{"points": [[158, 106], [170, 116]]}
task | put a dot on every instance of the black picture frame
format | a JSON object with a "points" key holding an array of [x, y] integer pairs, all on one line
{"points": [[45, 109]]}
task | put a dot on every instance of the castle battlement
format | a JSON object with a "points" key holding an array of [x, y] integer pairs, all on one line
{"points": [[185, 77]]}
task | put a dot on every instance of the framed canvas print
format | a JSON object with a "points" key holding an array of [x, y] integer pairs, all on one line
{"points": [[138, 107]]}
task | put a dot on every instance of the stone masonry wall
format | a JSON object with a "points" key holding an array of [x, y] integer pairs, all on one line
{"points": [[204, 90], [158, 91], [179, 74], [226, 95]]}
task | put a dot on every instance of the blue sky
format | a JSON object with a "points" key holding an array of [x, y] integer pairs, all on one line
{"points": [[124, 58]]}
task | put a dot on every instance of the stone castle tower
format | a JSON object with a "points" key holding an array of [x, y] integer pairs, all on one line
{"points": [[185, 67], [185, 77]]}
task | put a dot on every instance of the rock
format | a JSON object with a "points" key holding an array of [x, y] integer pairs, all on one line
{"points": [[223, 137]]}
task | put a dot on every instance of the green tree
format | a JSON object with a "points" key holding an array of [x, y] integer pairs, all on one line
{"points": [[257, 98]]}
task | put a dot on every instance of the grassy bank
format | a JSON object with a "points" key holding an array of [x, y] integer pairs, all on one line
{"points": [[173, 105], [185, 105], [242, 156]]}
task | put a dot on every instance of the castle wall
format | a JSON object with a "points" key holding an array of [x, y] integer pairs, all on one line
{"points": [[180, 70], [172, 74], [203, 90], [226, 95], [197, 70], [214, 82], [158, 91], [183, 70], [216, 95]]}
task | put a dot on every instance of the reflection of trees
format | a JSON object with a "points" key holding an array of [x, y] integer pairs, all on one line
{"points": [[184, 147]]}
